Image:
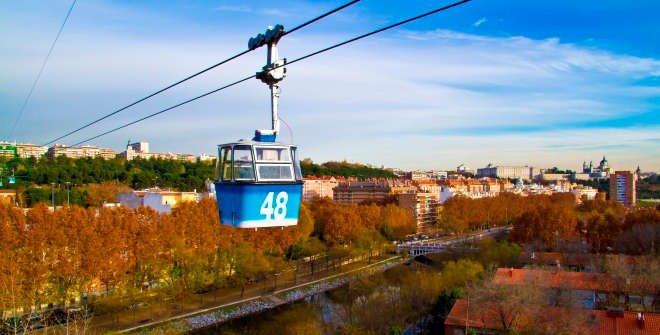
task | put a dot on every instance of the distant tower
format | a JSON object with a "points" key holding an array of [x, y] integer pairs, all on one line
{"points": [[603, 166], [638, 173], [623, 188]]}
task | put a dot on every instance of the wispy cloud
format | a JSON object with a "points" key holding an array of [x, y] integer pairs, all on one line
{"points": [[275, 12], [479, 22], [234, 8]]}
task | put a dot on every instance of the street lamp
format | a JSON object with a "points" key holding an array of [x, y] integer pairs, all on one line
{"points": [[68, 197], [275, 276], [52, 195]]}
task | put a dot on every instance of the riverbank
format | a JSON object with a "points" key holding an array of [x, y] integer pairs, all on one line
{"points": [[256, 304]]}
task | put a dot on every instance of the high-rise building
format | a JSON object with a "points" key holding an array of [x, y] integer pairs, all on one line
{"points": [[423, 206], [623, 188]]}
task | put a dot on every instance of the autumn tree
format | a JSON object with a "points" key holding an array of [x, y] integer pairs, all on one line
{"points": [[305, 224], [108, 262], [515, 307], [38, 254], [600, 222], [547, 222], [246, 265], [70, 241], [640, 233], [12, 228], [370, 215], [342, 226], [105, 192], [396, 222]]}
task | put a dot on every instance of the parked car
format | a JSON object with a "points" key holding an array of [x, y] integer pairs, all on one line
{"points": [[33, 321], [12, 325], [55, 316]]}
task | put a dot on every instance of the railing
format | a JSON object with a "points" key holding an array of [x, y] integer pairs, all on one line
{"points": [[428, 246]]}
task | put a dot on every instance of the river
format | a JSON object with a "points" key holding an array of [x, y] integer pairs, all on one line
{"points": [[375, 303]]}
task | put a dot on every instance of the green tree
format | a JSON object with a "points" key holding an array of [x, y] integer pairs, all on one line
{"points": [[460, 273]]}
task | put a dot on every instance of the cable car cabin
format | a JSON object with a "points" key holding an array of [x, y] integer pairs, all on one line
{"points": [[259, 184]]}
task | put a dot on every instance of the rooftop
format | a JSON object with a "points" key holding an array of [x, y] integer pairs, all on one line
{"points": [[556, 279], [604, 322]]}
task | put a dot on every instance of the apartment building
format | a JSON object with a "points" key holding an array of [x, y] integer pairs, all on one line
{"points": [[623, 188], [319, 187], [85, 151], [141, 150], [423, 206], [355, 192]]}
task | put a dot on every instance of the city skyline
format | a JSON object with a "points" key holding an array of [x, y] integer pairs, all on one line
{"points": [[39, 151], [546, 83]]}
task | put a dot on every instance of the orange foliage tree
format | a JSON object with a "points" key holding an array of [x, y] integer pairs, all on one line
{"points": [[48, 256], [600, 222]]}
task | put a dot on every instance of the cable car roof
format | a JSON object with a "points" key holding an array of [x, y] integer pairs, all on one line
{"points": [[257, 143]]}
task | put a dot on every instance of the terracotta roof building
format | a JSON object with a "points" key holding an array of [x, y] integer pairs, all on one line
{"points": [[598, 322], [555, 279]]}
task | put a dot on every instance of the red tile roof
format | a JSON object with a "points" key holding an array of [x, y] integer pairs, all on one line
{"points": [[605, 323], [320, 178], [627, 323], [574, 280], [459, 314]]}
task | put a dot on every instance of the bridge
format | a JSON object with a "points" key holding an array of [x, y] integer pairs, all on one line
{"points": [[430, 246]]}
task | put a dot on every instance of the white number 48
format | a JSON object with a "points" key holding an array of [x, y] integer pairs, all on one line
{"points": [[279, 212]]}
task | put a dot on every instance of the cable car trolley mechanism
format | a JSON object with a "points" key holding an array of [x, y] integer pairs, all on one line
{"points": [[259, 182]]}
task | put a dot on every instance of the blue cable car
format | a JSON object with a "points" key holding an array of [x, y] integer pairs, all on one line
{"points": [[259, 182]]}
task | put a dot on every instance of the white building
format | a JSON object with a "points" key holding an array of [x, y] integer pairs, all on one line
{"points": [[526, 173]]}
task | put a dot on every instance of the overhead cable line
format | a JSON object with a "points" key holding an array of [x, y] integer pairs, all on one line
{"points": [[166, 109], [197, 74], [288, 63], [41, 71], [320, 17], [377, 31]]}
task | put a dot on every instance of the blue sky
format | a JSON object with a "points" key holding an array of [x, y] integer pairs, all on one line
{"points": [[544, 83]]}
